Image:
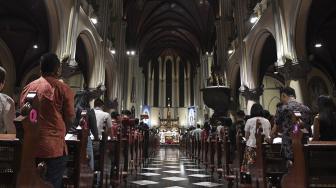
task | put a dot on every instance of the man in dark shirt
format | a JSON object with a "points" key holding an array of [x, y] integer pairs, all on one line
{"points": [[55, 117], [285, 121]]}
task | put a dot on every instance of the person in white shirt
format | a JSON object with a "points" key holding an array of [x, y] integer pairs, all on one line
{"points": [[7, 108], [197, 132], [220, 130], [104, 120], [250, 130]]}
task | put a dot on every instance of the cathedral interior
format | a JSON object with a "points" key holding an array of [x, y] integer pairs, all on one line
{"points": [[174, 67]]}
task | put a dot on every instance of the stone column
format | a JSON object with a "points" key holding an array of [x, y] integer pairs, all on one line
{"points": [[124, 65], [140, 87], [240, 11], [173, 99], [187, 85], [149, 83], [246, 85], [152, 87], [73, 33], [160, 82], [293, 69], [178, 61], [164, 83], [119, 32]]}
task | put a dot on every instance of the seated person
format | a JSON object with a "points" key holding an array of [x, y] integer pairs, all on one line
{"points": [[325, 121]]}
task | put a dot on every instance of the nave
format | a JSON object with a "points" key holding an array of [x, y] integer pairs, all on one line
{"points": [[170, 167]]}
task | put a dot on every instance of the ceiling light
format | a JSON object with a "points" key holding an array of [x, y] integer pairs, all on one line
{"points": [[253, 19], [230, 52], [207, 53], [128, 52], [276, 72], [211, 53], [132, 52], [35, 46], [113, 51], [318, 45], [94, 20]]}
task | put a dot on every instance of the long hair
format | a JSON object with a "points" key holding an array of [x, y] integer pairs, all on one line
{"points": [[327, 112]]}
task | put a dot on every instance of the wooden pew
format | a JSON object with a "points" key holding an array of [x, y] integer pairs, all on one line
{"points": [[137, 149], [102, 161], [238, 160], [17, 152], [230, 172], [212, 152], [314, 164], [205, 150], [78, 173], [114, 146], [10, 157], [270, 165]]}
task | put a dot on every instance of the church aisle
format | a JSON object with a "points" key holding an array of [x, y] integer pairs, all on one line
{"points": [[171, 168]]}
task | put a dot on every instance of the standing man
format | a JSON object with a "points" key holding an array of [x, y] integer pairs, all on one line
{"points": [[104, 121], [56, 115], [285, 120], [197, 134], [7, 108]]}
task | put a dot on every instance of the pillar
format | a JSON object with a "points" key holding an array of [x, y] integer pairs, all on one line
{"points": [[73, 33], [161, 82], [178, 61], [164, 83], [149, 84], [240, 11], [119, 32]]}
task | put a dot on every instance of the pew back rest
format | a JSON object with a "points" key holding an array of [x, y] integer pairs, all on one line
{"points": [[273, 159], [10, 157], [78, 172], [321, 164]]}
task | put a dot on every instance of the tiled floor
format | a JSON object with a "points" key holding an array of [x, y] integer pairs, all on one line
{"points": [[174, 171]]}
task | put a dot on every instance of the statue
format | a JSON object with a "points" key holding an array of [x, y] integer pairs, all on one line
{"points": [[216, 78]]}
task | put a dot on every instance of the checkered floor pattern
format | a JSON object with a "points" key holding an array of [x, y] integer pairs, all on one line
{"points": [[174, 171]]}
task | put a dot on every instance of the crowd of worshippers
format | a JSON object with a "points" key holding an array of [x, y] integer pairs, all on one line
{"points": [[60, 113], [290, 114]]}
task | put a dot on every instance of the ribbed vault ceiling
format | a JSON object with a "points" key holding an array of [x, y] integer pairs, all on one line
{"points": [[181, 28]]}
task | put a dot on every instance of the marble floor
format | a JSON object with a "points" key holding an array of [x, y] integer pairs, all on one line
{"points": [[171, 169]]}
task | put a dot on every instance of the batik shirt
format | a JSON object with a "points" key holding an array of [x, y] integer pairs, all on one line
{"points": [[284, 121]]}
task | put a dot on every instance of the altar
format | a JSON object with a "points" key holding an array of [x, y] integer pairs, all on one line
{"points": [[169, 130]]}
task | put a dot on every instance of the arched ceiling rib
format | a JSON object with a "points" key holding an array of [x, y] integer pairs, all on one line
{"points": [[170, 27]]}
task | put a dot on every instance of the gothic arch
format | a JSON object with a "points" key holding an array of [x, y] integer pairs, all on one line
{"points": [[259, 44], [90, 48], [57, 36]]}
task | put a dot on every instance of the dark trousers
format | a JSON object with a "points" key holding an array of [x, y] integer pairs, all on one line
{"points": [[55, 170], [115, 158], [125, 154]]}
